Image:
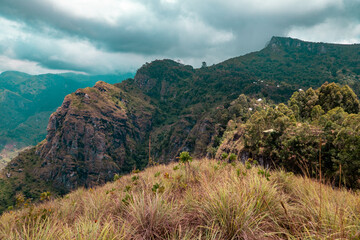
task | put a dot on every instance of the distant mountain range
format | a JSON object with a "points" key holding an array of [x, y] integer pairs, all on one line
{"points": [[170, 107], [26, 102]]}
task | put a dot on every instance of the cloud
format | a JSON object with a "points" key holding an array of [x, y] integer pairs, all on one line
{"points": [[331, 30], [106, 36], [9, 64]]}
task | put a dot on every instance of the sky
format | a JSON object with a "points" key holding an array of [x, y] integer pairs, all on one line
{"points": [[117, 36]]}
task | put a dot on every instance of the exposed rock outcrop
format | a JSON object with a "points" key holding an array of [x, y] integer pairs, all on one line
{"points": [[91, 137]]}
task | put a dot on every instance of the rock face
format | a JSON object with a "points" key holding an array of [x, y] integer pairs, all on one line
{"points": [[90, 136]]}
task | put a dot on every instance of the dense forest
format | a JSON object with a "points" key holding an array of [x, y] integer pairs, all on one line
{"points": [[321, 124]]}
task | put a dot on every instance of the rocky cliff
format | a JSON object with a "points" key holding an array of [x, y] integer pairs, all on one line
{"points": [[91, 137]]}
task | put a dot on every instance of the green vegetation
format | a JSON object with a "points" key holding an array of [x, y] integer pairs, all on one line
{"points": [[187, 98], [226, 111], [316, 123], [232, 157], [6, 195], [230, 202], [185, 158]]}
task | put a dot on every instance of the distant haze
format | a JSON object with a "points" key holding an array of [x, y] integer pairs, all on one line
{"points": [[112, 36]]}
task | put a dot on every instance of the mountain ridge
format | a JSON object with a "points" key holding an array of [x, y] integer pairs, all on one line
{"points": [[177, 107]]}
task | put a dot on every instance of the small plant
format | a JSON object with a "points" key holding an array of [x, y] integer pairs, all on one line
{"points": [[176, 168], [185, 158], [110, 191], [224, 155], [157, 188], [157, 174], [250, 162], [232, 157], [126, 200], [43, 214], [211, 151], [21, 201], [239, 172], [127, 188], [135, 171], [134, 178], [117, 177], [264, 173], [45, 196]]}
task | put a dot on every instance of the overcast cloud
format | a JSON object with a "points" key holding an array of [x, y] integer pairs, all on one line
{"points": [[109, 36]]}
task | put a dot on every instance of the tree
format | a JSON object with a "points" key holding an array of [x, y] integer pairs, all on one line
{"points": [[185, 158], [347, 142], [332, 96], [316, 113]]}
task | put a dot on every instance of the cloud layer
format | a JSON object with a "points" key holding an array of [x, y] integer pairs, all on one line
{"points": [[109, 36]]}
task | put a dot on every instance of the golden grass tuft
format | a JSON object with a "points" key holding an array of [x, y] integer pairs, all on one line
{"points": [[212, 200]]}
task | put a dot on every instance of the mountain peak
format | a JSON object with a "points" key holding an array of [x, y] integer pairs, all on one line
{"points": [[277, 41], [288, 43], [154, 78]]}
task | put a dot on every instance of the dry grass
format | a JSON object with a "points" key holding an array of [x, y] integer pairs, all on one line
{"points": [[212, 201]]}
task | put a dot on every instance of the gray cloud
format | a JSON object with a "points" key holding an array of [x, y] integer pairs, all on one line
{"points": [[119, 35]]}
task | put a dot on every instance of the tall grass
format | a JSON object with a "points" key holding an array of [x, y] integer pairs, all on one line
{"points": [[216, 201]]}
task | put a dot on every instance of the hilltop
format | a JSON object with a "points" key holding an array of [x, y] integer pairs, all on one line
{"points": [[209, 200], [169, 107]]}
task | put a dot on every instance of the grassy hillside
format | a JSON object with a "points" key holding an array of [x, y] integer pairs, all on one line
{"points": [[208, 200]]}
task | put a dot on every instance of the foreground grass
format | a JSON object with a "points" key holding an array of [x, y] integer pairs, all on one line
{"points": [[211, 200]]}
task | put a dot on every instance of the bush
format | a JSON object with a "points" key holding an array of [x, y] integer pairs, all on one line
{"points": [[185, 158], [232, 157], [224, 156]]}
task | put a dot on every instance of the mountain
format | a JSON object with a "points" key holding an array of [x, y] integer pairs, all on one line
{"points": [[213, 200], [26, 102], [168, 108]]}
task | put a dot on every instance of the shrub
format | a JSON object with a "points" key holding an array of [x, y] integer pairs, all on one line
{"points": [[185, 158], [45, 196], [224, 155], [232, 157], [117, 177]]}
